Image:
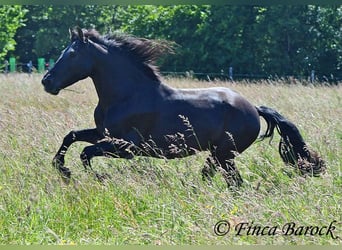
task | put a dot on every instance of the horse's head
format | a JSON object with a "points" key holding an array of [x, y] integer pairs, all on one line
{"points": [[74, 64]]}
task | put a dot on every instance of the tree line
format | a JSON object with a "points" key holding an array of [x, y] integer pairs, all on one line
{"points": [[280, 40]]}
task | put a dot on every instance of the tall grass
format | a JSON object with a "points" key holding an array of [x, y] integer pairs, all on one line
{"points": [[154, 201]]}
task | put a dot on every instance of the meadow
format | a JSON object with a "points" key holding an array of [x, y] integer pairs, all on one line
{"points": [[160, 202]]}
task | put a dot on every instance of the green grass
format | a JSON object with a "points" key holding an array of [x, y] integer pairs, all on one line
{"points": [[153, 201]]}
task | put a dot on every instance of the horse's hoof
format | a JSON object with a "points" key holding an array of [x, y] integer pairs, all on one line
{"points": [[65, 172], [102, 177], [234, 181], [58, 162]]}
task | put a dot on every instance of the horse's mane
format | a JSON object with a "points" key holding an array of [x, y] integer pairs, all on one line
{"points": [[144, 52]]}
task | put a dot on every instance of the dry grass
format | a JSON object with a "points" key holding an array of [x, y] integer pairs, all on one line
{"points": [[153, 201]]}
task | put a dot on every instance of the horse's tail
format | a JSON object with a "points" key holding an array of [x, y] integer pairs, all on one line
{"points": [[292, 148]]}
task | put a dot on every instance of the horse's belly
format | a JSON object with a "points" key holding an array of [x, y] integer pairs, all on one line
{"points": [[199, 126]]}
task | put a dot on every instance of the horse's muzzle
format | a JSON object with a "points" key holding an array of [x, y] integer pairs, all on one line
{"points": [[49, 85]]}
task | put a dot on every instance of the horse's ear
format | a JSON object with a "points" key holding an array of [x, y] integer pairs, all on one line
{"points": [[77, 34], [73, 34], [80, 33]]}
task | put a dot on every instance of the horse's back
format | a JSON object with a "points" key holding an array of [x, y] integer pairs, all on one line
{"points": [[213, 113]]}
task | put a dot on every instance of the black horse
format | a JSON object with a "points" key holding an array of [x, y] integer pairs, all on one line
{"points": [[137, 114]]}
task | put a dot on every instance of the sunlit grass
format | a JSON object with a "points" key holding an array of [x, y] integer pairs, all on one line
{"points": [[154, 201]]}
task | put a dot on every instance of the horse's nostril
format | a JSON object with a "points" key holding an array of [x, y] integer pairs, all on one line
{"points": [[45, 81]]}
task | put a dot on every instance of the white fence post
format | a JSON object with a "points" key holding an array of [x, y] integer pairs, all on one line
{"points": [[230, 73]]}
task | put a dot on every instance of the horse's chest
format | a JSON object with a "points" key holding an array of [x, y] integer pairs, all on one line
{"points": [[99, 116]]}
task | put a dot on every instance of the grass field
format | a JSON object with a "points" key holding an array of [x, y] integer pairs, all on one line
{"points": [[158, 202]]}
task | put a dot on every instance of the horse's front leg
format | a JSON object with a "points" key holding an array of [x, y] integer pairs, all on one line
{"points": [[88, 135]]}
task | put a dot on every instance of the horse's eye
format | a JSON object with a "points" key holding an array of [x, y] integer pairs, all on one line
{"points": [[72, 53]]}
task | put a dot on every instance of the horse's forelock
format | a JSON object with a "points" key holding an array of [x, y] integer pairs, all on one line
{"points": [[73, 34]]}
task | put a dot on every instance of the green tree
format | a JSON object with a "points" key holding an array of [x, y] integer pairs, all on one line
{"points": [[283, 33], [229, 39], [324, 53], [46, 29], [178, 23], [269, 40], [11, 18]]}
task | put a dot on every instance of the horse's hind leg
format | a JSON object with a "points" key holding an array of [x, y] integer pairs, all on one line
{"points": [[231, 174], [228, 168], [220, 160], [209, 169]]}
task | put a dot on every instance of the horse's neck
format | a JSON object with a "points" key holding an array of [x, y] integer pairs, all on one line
{"points": [[107, 90], [116, 81], [115, 88]]}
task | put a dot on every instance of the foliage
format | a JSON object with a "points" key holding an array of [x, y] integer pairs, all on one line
{"points": [[283, 40], [46, 29], [11, 18], [270, 40], [326, 48], [179, 23]]}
